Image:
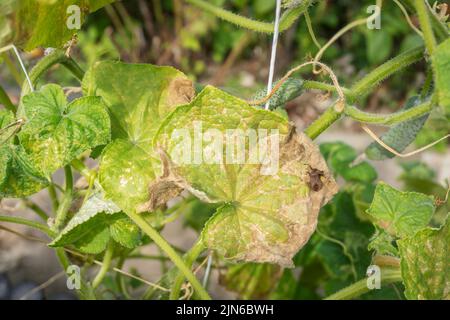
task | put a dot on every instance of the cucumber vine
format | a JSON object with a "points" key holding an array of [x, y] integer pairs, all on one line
{"points": [[254, 224]]}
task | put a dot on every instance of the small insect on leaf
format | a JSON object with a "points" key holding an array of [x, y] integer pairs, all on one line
{"points": [[315, 179]]}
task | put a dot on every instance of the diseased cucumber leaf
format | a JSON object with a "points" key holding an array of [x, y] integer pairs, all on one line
{"points": [[400, 213], [399, 136], [425, 264], [18, 177], [55, 133], [264, 217], [92, 227], [45, 23], [441, 63], [138, 97]]}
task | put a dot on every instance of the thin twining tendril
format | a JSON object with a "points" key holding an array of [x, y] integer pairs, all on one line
{"points": [[392, 150], [342, 31]]}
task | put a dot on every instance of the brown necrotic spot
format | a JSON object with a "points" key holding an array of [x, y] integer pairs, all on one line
{"points": [[181, 91]]}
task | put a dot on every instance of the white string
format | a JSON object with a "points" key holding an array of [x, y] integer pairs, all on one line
{"points": [[13, 47], [208, 271], [274, 50]]}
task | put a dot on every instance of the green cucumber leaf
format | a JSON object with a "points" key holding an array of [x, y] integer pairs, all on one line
{"points": [[286, 286], [399, 136], [6, 127], [138, 97], [441, 63], [263, 217], [400, 213], [425, 264], [18, 177], [125, 232], [6, 8], [343, 239], [251, 280], [43, 23], [55, 133], [196, 213], [383, 243], [340, 157], [92, 227]]}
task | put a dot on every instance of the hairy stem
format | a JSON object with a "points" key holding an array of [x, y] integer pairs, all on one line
{"points": [[56, 57], [64, 206], [286, 20], [425, 25], [38, 210], [361, 89], [189, 260], [120, 280], [360, 287], [29, 223], [330, 116], [167, 248], [106, 264], [364, 86], [85, 291], [53, 196], [389, 119], [318, 85], [4, 99]]}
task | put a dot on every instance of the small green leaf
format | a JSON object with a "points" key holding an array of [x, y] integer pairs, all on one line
{"points": [[425, 264], [197, 213], [55, 133], [251, 280], [138, 97], [340, 157], [125, 232], [94, 224], [343, 238], [441, 63], [378, 45], [263, 217], [286, 286], [400, 213], [18, 177], [6, 126], [383, 243]]}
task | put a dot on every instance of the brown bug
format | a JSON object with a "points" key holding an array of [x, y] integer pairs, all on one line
{"points": [[315, 182]]}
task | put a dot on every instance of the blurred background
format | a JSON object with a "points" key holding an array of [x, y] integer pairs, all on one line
{"points": [[212, 51]]}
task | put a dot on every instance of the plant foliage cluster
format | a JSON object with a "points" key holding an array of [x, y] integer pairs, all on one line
{"points": [[259, 229]]}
